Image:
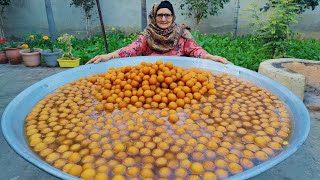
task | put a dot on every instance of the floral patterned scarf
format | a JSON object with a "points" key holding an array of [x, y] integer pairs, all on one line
{"points": [[163, 40]]}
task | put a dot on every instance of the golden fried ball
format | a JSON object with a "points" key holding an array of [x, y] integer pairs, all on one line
{"points": [[88, 174], [146, 173], [208, 165], [119, 147], [261, 155], [234, 168], [260, 141], [164, 172], [132, 150], [101, 176], [209, 176], [119, 169], [103, 169], [221, 173], [75, 170], [161, 161], [232, 157], [157, 153], [220, 163], [185, 163], [246, 163], [173, 118], [118, 177], [197, 168], [181, 172], [197, 156], [133, 171]]}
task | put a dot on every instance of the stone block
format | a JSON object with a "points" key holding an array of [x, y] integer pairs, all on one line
{"points": [[294, 81]]}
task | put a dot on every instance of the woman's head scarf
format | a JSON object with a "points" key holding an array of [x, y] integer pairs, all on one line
{"points": [[164, 40]]}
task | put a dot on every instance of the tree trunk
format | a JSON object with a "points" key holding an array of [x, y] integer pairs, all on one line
{"points": [[87, 27], [143, 14], [236, 18], [1, 24], [196, 23], [51, 23], [102, 27]]}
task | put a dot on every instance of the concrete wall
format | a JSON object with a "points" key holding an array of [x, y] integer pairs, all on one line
{"points": [[30, 16]]}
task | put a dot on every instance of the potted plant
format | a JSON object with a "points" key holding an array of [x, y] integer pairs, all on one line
{"points": [[13, 53], [67, 59], [3, 5], [3, 57], [30, 55], [51, 54]]}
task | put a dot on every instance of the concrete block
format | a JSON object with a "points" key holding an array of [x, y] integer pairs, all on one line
{"points": [[294, 81]]}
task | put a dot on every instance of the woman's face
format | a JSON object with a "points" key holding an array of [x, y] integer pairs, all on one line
{"points": [[164, 18]]}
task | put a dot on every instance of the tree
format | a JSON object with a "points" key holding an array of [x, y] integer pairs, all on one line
{"points": [[201, 9], [51, 23], [302, 4], [273, 26], [143, 14], [87, 6], [3, 5], [102, 26]]}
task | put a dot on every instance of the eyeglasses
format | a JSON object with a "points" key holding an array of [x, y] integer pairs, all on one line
{"points": [[167, 16]]}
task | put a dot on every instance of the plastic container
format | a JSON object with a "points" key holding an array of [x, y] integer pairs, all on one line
{"points": [[13, 117], [64, 63]]}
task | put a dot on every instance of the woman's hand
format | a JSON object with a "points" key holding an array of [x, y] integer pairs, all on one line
{"points": [[102, 58], [217, 59]]}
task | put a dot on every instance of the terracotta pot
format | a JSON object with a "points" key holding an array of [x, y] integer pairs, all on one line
{"points": [[3, 57], [31, 59], [13, 55]]}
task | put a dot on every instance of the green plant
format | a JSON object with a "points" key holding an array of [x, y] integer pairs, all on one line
{"points": [[200, 9], [303, 48], [2, 43], [87, 6], [29, 42], [273, 26], [303, 4], [245, 51], [48, 43], [3, 6], [12, 44], [66, 44], [90, 47]]}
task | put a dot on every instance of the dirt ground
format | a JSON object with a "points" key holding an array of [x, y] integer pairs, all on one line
{"points": [[311, 71]]}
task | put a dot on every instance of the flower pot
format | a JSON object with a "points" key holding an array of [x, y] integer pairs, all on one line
{"points": [[3, 57], [31, 59], [63, 62], [51, 57], [13, 55]]}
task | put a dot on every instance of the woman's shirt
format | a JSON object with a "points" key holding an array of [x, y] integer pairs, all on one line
{"points": [[185, 47]]}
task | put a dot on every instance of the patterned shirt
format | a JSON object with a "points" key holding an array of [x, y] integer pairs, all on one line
{"points": [[184, 47]]}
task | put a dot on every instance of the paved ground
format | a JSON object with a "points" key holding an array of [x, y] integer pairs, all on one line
{"points": [[304, 164]]}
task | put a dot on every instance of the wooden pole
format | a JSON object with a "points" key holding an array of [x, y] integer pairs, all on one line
{"points": [[102, 27]]}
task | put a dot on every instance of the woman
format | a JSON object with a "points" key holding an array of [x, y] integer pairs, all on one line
{"points": [[162, 37]]}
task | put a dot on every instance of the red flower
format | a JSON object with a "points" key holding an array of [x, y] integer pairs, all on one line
{"points": [[2, 40]]}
